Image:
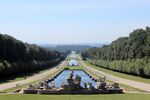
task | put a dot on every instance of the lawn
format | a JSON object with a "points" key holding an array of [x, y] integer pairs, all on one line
{"points": [[22, 76], [122, 75], [74, 67], [76, 97], [19, 77]]}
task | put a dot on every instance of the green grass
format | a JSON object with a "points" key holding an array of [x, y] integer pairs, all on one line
{"points": [[16, 88], [131, 88], [76, 58], [22, 76], [17, 77], [123, 86], [72, 58], [74, 67], [13, 89], [122, 75], [76, 97], [25, 85]]}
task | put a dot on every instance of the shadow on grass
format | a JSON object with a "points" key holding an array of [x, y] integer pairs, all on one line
{"points": [[23, 76]]}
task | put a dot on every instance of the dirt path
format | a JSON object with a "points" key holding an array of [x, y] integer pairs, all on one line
{"points": [[33, 78], [135, 84]]}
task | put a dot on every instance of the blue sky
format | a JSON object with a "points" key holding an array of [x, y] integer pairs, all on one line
{"points": [[72, 21]]}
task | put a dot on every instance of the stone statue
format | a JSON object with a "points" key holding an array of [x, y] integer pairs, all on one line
{"points": [[89, 86], [45, 85], [102, 79], [103, 85], [115, 85], [52, 85], [98, 85], [85, 85], [70, 79], [77, 81], [72, 83]]}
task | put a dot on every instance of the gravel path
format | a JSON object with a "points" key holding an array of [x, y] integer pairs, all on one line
{"points": [[135, 84], [33, 78]]}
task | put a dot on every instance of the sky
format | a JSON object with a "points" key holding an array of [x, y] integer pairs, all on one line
{"points": [[72, 21]]}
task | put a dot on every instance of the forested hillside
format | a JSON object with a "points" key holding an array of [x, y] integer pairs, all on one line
{"points": [[68, 48], [126, 54], [18, 57]]}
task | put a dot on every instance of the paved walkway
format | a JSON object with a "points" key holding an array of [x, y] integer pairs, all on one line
{"points": [[135, 84], [33, 78]]}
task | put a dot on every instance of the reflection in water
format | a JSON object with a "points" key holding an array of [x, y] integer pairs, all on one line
{"points": [[73, 63], [62, 78]]}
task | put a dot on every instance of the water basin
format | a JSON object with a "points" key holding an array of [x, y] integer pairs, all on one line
{"points": [[73, 62], [62, 78]]}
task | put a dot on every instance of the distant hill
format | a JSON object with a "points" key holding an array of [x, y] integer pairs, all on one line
{"points": [[66, 48], [69, 48], [82, 44]]}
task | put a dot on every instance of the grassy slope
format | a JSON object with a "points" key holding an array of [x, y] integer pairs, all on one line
{"points": [[22, 76], [19, 77], [77, 97], [122, 75], [25, 85], [74, 67]]}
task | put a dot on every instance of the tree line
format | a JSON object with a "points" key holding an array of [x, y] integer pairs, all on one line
{"points": [[19, 57], [126, 54]]}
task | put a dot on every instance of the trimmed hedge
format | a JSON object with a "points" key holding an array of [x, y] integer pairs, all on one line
{"points": [[138, 67]]}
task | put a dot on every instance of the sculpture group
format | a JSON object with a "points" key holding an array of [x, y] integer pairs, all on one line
{"points": [[73, 85]]}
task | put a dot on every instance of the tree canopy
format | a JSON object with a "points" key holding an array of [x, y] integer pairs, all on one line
{"points": [[18, 57], [136, 46]]}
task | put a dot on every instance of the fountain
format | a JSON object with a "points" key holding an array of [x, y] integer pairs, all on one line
{"points": [[73, 86]]}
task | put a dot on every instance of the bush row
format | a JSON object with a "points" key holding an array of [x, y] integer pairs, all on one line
{"points": [[9, 68], [139, 67]]}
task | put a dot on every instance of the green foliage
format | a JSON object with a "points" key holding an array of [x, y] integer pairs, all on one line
{"points": [[127, 96], [134, 66], [18, 57], [126, 54]]}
